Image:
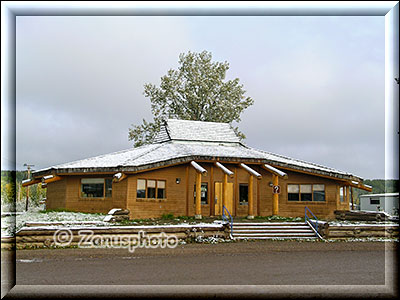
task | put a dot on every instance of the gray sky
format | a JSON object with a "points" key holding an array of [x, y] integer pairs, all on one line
{"points": [[317, 83]]}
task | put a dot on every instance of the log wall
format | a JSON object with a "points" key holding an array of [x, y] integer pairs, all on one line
{"points": [[180, 197]]}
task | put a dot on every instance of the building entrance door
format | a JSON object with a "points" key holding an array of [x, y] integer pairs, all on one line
{"points": [[218, 198]]}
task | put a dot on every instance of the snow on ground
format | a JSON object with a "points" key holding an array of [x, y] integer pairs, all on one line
{"points": [[10, 224], [361, 223], [365, 239]]}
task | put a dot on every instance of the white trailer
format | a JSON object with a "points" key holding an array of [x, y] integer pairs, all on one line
{"points": [[388, 203]]}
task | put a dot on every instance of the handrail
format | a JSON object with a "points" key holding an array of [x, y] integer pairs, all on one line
{"points": [[225, 218], [307, 219]]}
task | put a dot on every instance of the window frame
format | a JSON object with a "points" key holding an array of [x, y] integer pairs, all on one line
{"points": [[208, 194], [145, 188], [240, 202], [299, 193], [374, 199], [81, 197], [156, 190], [342, 198]]}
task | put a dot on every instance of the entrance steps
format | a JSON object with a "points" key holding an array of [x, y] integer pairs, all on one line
{"points": [[272, 230]]}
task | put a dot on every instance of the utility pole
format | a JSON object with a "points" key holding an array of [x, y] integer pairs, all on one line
{"points": [[27, 188]]}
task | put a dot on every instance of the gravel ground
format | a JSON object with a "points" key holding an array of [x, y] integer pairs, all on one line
{"points": [[265, 267]]}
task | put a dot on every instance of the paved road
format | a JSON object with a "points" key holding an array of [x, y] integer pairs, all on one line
{"points": [[241, 263]]}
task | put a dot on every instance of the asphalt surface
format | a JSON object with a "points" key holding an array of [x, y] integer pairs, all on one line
{"points": [[239, 263]]}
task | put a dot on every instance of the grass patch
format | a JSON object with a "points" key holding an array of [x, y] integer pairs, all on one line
{"points": [[68, 211], [167, 216], [185, 218], [164, 219]]}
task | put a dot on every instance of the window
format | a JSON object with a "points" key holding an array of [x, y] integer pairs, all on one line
{"points": [[306, 192], [374, 201], [204, 193], [96, 187], [151, 189], [293, 192], [319, 192], [341, 194], [243, 194], [160, 189], [108, 188], [141, 188]]}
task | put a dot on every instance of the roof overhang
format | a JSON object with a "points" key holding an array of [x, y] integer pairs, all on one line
{"points": [[360, 185], [187, 159]]}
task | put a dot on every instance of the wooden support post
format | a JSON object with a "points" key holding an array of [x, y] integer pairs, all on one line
{"points": [[198, 196], [250, 198], [337, 196], [225, 190], [347, 194], [187, 190], [212, 197], [275, 197], [236, 193], [352, 198], [258, 210]]}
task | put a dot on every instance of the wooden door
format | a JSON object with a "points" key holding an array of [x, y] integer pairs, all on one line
{"points": [[219, 193]]}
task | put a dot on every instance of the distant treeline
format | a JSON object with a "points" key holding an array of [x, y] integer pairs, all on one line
{"points": [[16, 175], [379, 186], [11, 187]]}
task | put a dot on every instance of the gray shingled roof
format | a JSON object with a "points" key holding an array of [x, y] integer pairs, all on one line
{"points": [[185, 130], [183, 141]]}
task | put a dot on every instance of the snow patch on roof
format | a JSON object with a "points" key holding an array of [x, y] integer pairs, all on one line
{"points": [[186, 130], [380, 195]]}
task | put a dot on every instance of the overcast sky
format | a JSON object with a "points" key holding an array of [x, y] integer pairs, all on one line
{"points": [[317, 83]]}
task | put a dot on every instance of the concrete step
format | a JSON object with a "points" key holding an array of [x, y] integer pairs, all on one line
{"points": [[273, 237], [307, 230], [269, 224], [272, 230], [275, 234], [305, 227]]}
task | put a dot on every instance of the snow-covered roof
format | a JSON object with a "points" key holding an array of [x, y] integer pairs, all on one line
{"points": [[184, 141], [380, 195], [185, 130]]}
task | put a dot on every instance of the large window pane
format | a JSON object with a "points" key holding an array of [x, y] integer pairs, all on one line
{"points": [[92, 187], [141, 188], [108, 191], [160, 189], [151, 188], [293, 188], [374, 201], [341, 194], [306, 192], [243, 194], [293, 192], [305, 188], [92, 180], [319, 192]]}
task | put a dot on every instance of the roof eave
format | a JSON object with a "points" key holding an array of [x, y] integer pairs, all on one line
{"points": [[182, 160]]}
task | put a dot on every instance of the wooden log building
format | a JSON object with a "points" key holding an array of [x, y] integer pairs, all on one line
{"points": [[193, 168]]}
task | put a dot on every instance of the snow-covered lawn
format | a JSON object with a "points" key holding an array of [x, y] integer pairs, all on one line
{"points": [[361, 223], [12, 223]]}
